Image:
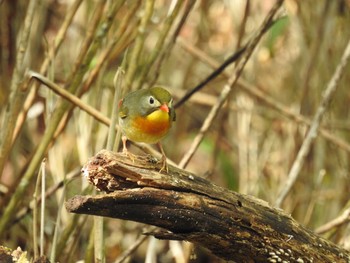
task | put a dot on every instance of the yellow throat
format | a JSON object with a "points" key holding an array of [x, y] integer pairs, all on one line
{"points": [[158, 116]]}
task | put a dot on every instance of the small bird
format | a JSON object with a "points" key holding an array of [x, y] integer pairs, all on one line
{"points": [[146, 115]]}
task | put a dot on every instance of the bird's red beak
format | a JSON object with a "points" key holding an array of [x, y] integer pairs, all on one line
{"points": [[164, 107]]}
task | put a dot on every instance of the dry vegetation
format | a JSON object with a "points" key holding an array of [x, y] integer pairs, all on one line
{"points": [[250, 146]]}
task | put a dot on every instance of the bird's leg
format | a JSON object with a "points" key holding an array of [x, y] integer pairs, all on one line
{"points": [[163, 160], [125, 149]]}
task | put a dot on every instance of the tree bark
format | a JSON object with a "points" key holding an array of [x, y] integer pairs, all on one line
{"points": [[187, 207]]}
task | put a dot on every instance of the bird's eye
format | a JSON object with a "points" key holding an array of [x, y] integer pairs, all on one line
{"points": [[151, 100]]}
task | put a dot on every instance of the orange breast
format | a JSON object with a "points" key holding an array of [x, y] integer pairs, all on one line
{"points": [[149, 129], [157, 128]]}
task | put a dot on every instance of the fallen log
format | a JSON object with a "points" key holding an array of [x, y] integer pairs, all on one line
{"points": [[184, 206]]}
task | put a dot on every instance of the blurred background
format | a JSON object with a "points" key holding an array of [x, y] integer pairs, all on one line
{"points": [[249, 147]]}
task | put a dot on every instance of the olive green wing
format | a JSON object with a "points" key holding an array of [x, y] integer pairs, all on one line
{"points": [[123, 110]]}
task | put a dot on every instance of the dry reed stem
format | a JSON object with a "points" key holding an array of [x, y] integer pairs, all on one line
{"points": [[57, 225], [170, 44], [71, 98], [88, 48], [44, 67], [35, 215], [16, 96], [159, 46], [205, 126], [133, 248], [42, 207], [120, 40], [231, 83], [49, 192], [139, 42], [243, 25], [73, 83], [119, 37], [312, 133], [313, 58], [99, 221], [336, 222], [265, 98]]}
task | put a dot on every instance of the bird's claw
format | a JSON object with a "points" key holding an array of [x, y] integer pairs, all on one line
{"points": [[164, 165], [131, 156]]}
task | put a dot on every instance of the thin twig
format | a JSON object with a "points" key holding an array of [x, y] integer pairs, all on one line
{"points": [[224, 117], [35, 215], [233, 58], [336, 222], [231, 83], [205, 127], [243, 25], [42, 209], [57, 226], [265, 98], [312, 133], [131, 249], [70, 97]]}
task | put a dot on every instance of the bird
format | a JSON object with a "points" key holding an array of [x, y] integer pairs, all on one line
{"points": [[146, 116]]}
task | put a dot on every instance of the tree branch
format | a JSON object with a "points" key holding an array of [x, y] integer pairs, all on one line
{"points": [[187, 207]]}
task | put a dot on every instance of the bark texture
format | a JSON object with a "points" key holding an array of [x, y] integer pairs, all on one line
{"points": [[187, 207]]}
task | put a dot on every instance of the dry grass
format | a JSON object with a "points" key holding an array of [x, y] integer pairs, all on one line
{"points": [[249, 147]]}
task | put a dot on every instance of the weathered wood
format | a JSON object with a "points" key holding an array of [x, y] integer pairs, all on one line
{"points": [[186, 207]]}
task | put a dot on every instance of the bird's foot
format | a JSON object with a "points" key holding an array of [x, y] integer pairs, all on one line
{"points": [[164, 165], [131, 156], [163, 160]]}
